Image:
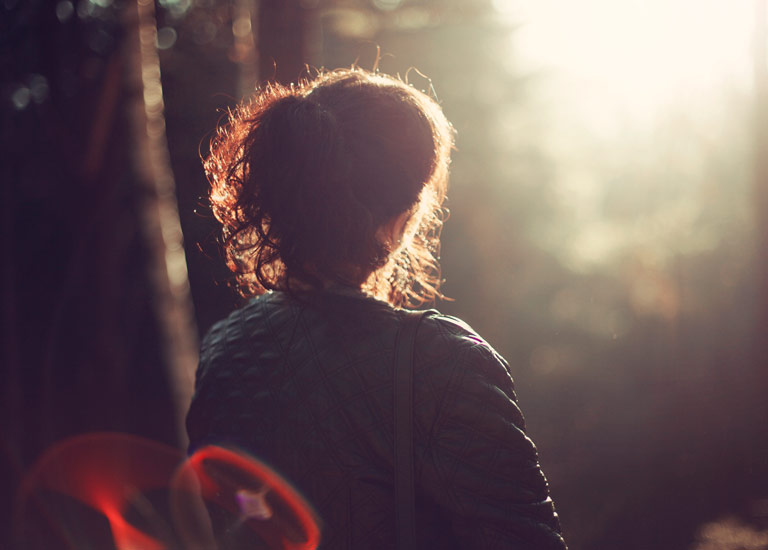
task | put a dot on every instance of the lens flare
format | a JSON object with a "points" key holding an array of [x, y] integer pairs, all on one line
{"points": [[242, 492], [103, 490], [105, 471]]}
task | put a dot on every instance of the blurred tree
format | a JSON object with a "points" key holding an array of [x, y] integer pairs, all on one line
{"points": [[95, 330], [201, 66], [236, 45]]}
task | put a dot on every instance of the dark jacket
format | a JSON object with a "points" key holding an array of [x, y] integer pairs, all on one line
{"points": [[306, 386]]}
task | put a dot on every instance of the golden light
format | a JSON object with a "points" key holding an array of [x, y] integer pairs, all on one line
{"points": [[635, 100], [624, 61]]}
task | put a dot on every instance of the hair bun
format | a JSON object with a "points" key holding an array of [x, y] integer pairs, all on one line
{"points": [[304, 177]]}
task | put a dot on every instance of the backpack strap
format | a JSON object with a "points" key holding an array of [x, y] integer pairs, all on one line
{"points": [[405, 508]]}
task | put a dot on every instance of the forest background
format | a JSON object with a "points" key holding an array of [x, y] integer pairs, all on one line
{"points": [[615, 255]]}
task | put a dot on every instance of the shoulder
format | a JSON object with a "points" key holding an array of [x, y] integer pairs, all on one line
{"points": [[456, 355], [230, 337], [450, 331], [223, 332], [445, 335]]}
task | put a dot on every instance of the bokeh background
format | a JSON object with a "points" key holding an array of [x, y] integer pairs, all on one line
{"points": [[608, 230]]}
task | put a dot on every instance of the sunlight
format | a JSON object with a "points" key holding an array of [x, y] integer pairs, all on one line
{"points": [[642, 99], [625, 61]]}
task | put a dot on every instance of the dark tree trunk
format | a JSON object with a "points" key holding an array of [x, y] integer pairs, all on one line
{"points": [[84, 343]]}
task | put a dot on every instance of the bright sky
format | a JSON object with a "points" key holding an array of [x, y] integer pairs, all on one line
{"points": [[630, 58]]}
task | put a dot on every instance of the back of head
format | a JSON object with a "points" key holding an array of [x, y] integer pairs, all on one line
{"points": [[303, 179]]}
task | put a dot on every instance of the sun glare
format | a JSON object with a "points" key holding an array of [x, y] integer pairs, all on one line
{"points": [[636, 98], [625, 60]]}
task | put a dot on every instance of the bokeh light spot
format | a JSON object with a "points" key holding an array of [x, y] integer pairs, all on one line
{"points": [[166, 38], [38, 87], [387, 5], [64, 11], [177, 7], [241, 27], [21, 97], [85, 9]]}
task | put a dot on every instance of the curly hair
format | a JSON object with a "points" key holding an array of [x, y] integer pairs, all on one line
{"points": [[304, 177]]}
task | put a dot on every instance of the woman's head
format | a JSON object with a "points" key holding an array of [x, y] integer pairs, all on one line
{"points": [[316, 183]]}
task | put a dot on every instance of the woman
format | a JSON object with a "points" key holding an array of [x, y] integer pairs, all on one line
{"points": [[329, 194]]}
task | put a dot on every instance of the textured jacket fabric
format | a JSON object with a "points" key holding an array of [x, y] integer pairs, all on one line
{"points": [[307, 387]]}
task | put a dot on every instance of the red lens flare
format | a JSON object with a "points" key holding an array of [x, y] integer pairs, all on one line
{"points": [[252, 495], [116, 474], [105, 471]]}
